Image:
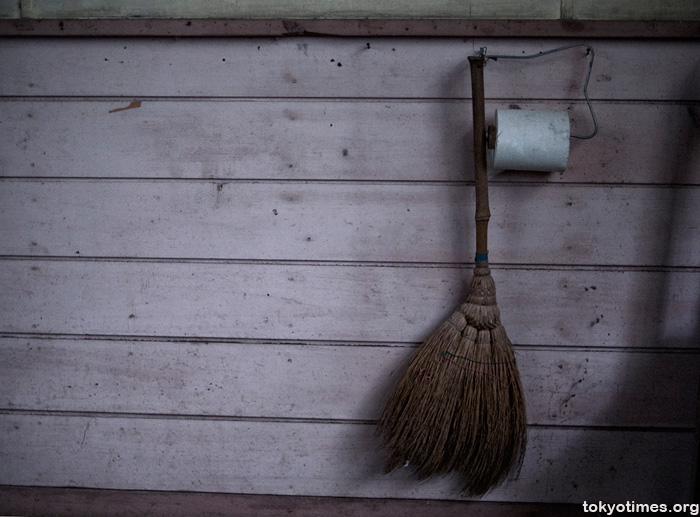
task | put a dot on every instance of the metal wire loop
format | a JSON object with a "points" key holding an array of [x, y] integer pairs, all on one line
{"points": [[590, 52]]}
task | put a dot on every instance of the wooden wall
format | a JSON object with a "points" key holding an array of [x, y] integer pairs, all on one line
{"points": [[217, 255], [358, 9]]}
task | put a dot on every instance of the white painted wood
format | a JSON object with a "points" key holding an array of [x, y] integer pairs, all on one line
{"points": [[635, 10], [9, 8], [609, 388], [563, 387], [324, 459], [208, 277], [349, 222], [529, 9], [388, 140], [614, 308], [308, 67]]}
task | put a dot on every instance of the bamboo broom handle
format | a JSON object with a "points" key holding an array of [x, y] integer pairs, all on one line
{"points": [[476, 64]]}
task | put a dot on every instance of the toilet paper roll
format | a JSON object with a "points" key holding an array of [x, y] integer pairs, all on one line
{"points": [[531, 140]]}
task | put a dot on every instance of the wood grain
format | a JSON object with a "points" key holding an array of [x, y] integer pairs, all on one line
{"points": [[390, 68], [362, 27], [9, 9], [104, 503], [291, 458], [640, 10], [316, 381], [530, 9], [550, 9], [612, 308], [213, 287], [327, 139], [348, 222]]}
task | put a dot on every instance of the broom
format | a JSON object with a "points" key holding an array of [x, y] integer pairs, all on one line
{"points": [[459, 407]]}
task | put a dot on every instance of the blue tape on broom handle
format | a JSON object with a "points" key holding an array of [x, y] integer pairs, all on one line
{"points": [[481, 257]]}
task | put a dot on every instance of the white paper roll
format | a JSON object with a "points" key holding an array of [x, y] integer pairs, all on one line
{"points": [[531, 140]]}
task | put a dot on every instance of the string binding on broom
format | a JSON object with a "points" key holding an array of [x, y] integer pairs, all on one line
{"points": [[449, 355], [478, 368]]}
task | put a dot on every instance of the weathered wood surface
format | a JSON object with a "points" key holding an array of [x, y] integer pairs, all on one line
{"points": [[328, 140], [9, 9], [267, 315], [633, 10], [316, 381], [289, 458], [344, 302], [357, 27], [536, 9], [349, 222], [298, 67], [104, 503], [530, 9]]}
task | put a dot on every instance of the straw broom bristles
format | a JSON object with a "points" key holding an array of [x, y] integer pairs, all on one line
{"points": [[459, 405]]}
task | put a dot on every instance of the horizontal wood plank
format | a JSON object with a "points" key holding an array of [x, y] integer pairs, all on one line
{"points": [[348, 222], [327, 67], [363, 27], [637, 10], [359, 140], [562, 387], [9, 9], [549, 9], [105, 503], [612, 308], [534, 9], [290, 458]]}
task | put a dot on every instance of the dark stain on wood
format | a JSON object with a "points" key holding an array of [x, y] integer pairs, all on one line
{"points": [[132, 105]]}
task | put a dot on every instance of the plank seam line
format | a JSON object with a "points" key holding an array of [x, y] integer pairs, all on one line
{"points": [[185, 417], [260, 342], [339, 100], [333, 27], [620, 268], [497, 183], [302, 499], [279, 420]]}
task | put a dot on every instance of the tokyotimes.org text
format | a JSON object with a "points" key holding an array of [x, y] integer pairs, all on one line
{"points": [[632, 507]]}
